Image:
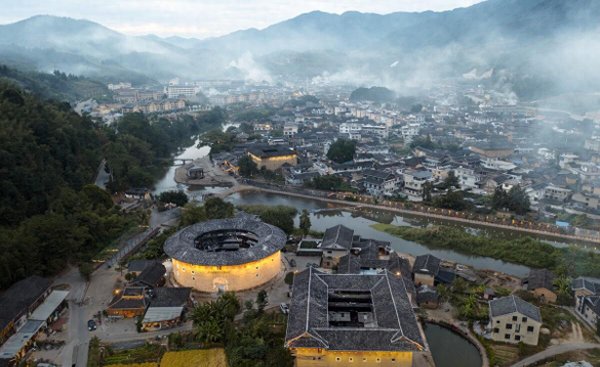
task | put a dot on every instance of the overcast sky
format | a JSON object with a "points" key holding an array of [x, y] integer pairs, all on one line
{"points": [[203, 18]]}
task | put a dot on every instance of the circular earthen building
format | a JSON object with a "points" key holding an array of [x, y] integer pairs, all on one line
{"points": [[226, 254]]}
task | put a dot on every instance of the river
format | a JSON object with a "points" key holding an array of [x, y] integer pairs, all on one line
{"points": [[324, 215], [445, 343]]}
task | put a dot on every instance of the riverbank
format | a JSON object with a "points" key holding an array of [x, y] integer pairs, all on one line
{"points": [[525, 251], [213, 176], [402, 208]]}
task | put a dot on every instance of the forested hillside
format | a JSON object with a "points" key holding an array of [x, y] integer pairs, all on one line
{"points": [[50, 213], [58, 85]]}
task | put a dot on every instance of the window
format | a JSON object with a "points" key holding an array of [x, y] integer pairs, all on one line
{"points": [[393, 359], [350, 359], [506, 336], [508, 326], [524, 319], [378, 360], [496, 330], [517, 337], [530, 329], [337, 359], [514, 318], [497, 321], [364, 359]]}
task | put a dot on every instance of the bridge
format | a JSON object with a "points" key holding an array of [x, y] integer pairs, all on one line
{"points": [[182, 161]]}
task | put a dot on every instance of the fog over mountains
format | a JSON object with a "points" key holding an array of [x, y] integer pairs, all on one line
{"points": [[534, 47]]}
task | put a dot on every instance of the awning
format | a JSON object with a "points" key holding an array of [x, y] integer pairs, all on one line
{"points": [[50, 305], [15, 343], [158, 314]]}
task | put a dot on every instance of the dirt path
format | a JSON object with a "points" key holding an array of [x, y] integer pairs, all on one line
{"points": [[553, 351]]}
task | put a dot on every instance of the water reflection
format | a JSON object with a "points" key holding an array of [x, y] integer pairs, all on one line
{"points": [[323, 219]]}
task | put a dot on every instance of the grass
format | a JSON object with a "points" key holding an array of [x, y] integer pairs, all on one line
{"points": [[198, 358], [143, 354], [523, 250]]}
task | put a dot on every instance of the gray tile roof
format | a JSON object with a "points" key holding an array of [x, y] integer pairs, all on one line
{"points": [[394, 325], [426, 264], [17, 299], [540, 278], [583, 283], [181, 246], [337, 238], [510, 304]]}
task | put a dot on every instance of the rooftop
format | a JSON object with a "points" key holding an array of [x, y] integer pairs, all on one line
{"points": [[269, 151], [511, 304], [20, 296], [231, 241], [348, 312], [426, 264], [337, 238]]}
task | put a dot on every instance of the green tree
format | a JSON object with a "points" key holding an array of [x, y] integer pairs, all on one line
{"points": [[262, 299], [178, 198], [342, 150], [451, 180], [305, 222], [427, 188], [86, 269], [217, 208], [248, 167]]}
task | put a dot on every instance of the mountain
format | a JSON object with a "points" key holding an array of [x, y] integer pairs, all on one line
{"points": [[533, 46]]}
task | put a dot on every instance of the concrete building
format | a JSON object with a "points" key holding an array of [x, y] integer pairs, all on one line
{"points": [[272, 157], [347, 319], [176, 91], [512, 320], [226, 255]]}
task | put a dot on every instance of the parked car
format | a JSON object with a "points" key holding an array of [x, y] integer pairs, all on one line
{"points": [[284, 308], [91, 325]]}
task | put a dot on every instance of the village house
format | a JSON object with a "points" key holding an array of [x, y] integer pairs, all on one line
{"points": [[540, 283], [513, 320], [167, 308]]}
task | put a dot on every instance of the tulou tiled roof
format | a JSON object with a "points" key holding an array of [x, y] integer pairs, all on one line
{"points": [[181, 246], [511, 304], [394, 326]]}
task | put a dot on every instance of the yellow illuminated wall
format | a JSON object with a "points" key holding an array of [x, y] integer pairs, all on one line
{"points": [[227, 278], [273, 163], [312, 357]]}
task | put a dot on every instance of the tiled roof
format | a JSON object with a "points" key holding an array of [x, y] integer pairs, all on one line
{"points": [[337, 238], [540, 278], [181, 246], [394, 326], [510, 304], [170, 297], [583, 283], [426, 264], [20, 296], [152, 275]]}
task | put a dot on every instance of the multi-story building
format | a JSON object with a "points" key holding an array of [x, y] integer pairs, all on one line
{"points": [[272, 157], [343, 319], [513, 320], [413, 183], [176, 91]]}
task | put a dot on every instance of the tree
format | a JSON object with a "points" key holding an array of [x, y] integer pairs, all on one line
{"points": [[248, 167], [178, 198], [427, 188], [217, 208], [86, 270], [262, 299], [305, 222], [342, 150], [451, 180]]}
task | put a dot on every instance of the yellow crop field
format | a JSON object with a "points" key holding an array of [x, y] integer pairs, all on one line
{"points": [[149, 364], [197, 358]]}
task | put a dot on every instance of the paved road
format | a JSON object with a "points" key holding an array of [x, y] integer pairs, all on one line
{"points": [[102, 177], [416, 213], [553, 351]]}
